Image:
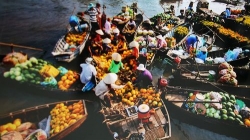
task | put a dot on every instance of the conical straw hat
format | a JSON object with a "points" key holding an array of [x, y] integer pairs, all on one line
{"points": [[116, 57], [100, 32], [106, 40], [110, 78], [133, 44]]}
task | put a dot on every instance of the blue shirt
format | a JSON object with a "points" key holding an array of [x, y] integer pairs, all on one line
{"points": [[73, 21], [201, 55], [191, 40]]}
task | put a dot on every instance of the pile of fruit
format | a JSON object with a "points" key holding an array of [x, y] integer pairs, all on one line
{"points": [[63, 116], [150, 55], [164, 17], [181, 31], [67, 80], [129, 95], [33, 71], [75, 39], [10, 126], [225, 109], [245, 22]]}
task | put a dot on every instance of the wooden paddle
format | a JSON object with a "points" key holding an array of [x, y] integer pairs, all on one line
{"points": [[19, 46]]}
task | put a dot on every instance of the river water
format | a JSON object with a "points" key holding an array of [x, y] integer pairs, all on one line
{"points": [[41, 23]]}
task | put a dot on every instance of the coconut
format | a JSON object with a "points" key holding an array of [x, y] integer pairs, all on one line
{"points": [[145, 32], [139, 31], [150, 32]]}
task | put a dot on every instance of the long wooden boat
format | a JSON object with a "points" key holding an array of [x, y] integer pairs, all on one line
{"points": [[126, 124], [71, 45], [200, 76], [26, 121], [176, 99], [129, 34]]}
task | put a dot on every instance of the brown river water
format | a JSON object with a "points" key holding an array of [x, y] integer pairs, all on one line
{"points": [[41, 23]]}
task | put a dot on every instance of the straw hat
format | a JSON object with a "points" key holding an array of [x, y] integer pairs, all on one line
{"points": [[90, 5], [141, 67], [203, 49], [116, 31], [99, 31], [134, 44], [116, 57], [106, 40], [88, 60], [110, 78], [159, 37]]}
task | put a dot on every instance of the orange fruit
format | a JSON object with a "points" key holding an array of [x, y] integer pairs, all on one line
{"points": [[60, 83], [70, 77], [67, 82], [70, 72], [64, 78]]}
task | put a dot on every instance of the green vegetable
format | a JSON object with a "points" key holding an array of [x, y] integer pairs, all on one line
{"points": [[12, 76], [212, 110], [229, 109], [239, 116], [206, 105], [33, 60], [190, 94], [6, 74], [18, 78], [224, 111], [224, 117], [210, 115], [216, 115], [241, 123], [232, 114], [17, 73], [231, 118], [232, 97]]}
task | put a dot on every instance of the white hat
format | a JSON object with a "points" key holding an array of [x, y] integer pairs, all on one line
{"points": [[106, 40], [203, 49], [116, 57], [134, 44], [88, 60], [110, 78], [99, 31], [116, 31], [159, 37], [141, 67]]}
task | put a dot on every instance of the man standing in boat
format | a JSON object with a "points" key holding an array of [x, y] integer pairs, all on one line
{"points": [[92, 12]]}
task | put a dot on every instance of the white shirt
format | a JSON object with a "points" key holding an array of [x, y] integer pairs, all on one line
{"points": [[101, 89], [132, 23], [87, 70], [107, 27]]}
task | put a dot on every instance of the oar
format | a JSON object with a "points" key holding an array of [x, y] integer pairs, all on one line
{"points": [[215, 33], [19, 46]]}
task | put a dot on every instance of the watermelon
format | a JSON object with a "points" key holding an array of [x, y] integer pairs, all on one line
{"points": [[6, 74]]}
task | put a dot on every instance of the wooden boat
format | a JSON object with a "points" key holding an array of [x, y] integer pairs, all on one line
{"points": [[129, 34], [126, 125], [200, 76], [175, 100], [45, 114], [71, 45]]}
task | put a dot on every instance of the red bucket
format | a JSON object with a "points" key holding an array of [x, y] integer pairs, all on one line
{"points": [[143, 113]]}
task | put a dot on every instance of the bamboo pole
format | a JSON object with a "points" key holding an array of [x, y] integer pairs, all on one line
{"points": [[19, 46]]}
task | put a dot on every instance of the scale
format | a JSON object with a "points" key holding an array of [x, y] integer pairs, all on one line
{"points": [[131, 110]]}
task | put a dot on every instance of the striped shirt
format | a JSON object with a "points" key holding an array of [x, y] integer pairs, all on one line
{"points": [[92, 15]]}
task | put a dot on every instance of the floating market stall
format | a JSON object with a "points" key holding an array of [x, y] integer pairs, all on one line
{"points": [[210, 109], [49, 121], [137, 114]]}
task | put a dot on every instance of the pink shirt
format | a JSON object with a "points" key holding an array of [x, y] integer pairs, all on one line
{"points": [[161, 43], [107, 27]]}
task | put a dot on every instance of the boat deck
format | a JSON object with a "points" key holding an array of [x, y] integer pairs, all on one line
{"points": [[175, 97]]}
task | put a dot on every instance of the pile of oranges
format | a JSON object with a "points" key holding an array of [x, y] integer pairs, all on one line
{"points": [[67, 80]]}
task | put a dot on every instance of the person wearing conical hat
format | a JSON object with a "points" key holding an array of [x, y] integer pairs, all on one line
{"points": [[105, 45], [144, 78], [135, 46], [88, 71], [116, 33], [161, 42], [96, 42], [202, 53], [122, 45], [116, 63], [105, 86]]}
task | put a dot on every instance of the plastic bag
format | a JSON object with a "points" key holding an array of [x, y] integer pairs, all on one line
{"points": [[229, 56], [62, 70], [45, 125], [49, 81]]}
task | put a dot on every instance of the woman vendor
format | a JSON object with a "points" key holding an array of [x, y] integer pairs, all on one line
{"points": [[144, 78], [105, 86], [96, 42], [161, 42], [116, 63], [116, 33], [135, 49], [122, 45], [105, 45]]}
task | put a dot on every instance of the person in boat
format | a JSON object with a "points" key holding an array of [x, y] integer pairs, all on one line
{"points": [[105, 86], [227, 12], [122, 45], [107, 28], [202, 53], [75, 24], [96, 42], [135, 49], [182, 16], [92, 12], [161, 42], [88, 71], [172, 10], [116, 63], [105, 45], [131, 24], [116, 33], [158, 23], [99, 15], [144, 78], [190, 41]]}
